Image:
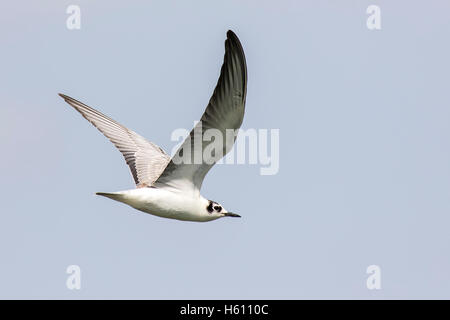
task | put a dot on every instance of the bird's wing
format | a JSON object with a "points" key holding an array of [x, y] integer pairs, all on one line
{"points": [[145, 159], [187, 169]]}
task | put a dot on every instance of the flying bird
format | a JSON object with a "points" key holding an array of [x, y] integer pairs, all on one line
{"points": [[169, 187]]}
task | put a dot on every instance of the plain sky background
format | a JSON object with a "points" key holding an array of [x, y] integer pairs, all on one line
{"points": [[364, 119]]}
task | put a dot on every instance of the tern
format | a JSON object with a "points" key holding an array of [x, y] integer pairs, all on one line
{"points": [[165, 186]]}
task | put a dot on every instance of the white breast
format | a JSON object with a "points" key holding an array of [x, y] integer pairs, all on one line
{"points": [[167, 204]]}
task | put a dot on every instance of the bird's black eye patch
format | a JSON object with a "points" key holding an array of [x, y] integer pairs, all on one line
{"points": [[210, 207], [218, 208]]}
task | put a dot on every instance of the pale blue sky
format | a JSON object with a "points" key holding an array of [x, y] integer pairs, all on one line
{"points": [[364, 119]]}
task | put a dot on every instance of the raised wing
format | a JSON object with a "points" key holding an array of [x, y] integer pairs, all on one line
{"points": [[145, 159], [225, 112]]}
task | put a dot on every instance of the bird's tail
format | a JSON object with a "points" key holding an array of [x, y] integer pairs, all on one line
{"points": [[118, 196]]}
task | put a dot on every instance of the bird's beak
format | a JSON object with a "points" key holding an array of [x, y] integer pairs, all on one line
{"points": [[231, 214]]}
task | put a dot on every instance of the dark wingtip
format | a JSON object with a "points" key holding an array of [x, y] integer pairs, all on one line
{"points": [[63, 96], [231, 35], [233, 46]]}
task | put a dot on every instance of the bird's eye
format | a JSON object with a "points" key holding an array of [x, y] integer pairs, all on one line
{"points": [[218, 208]]}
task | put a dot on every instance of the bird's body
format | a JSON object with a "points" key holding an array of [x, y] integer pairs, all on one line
{"points": [[164, 203], [170, 187]]}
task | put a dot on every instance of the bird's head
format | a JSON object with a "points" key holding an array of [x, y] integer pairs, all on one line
{"points": [[215, 210]]}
